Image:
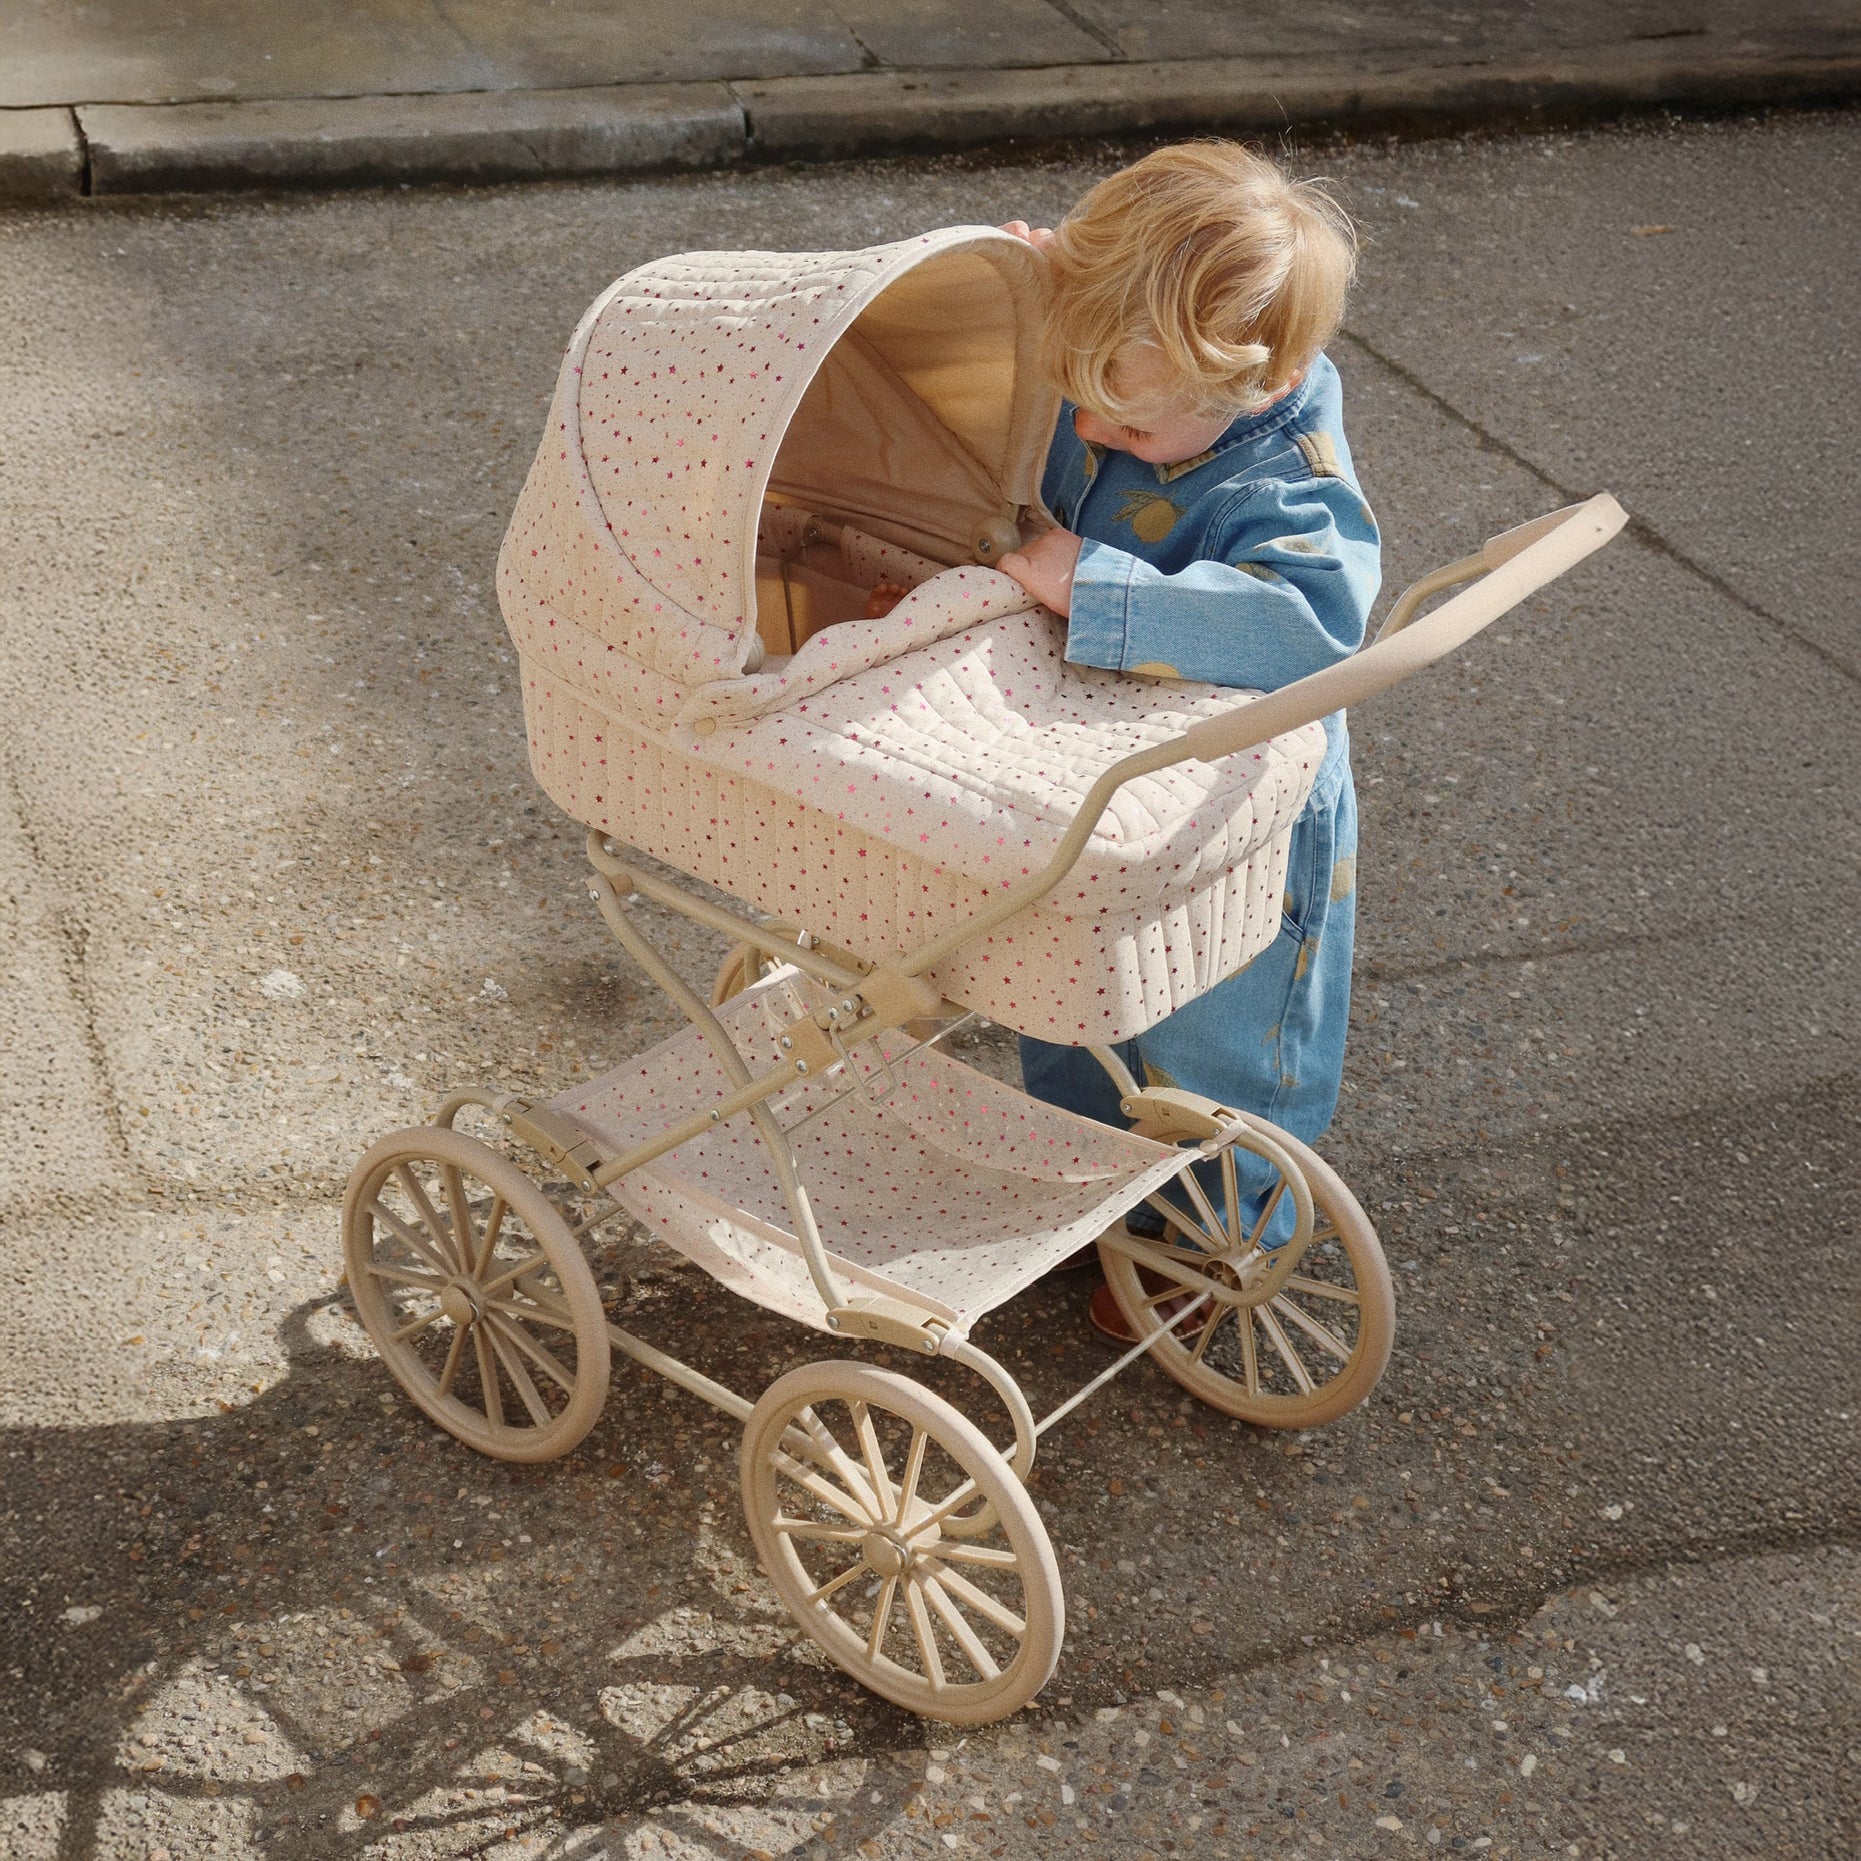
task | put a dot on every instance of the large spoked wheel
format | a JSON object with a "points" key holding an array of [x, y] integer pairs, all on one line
{"points": [[1282, 1342], [475, 1294], [849, 1475]]}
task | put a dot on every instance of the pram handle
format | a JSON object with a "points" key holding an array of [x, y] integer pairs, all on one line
{"points": [[1511, 566]]}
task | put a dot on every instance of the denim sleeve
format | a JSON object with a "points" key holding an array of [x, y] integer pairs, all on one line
{"points": [[1292, 574]]}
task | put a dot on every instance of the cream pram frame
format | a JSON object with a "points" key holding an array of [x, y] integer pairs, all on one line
{"points": [[808, 1142]]}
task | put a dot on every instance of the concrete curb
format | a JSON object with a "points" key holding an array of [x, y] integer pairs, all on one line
{"points": [[41, 156], [488, 136], [357, 141], [875, 111]]}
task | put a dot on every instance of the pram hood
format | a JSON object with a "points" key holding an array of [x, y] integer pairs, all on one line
{"points": [[895, 388]]}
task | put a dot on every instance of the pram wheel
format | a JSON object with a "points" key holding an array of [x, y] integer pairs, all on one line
{"points": [[475, 1294], [848, 1473], [1287, 1343]]}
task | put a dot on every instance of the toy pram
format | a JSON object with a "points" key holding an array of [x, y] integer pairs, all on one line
{"points": [[941, 820]]}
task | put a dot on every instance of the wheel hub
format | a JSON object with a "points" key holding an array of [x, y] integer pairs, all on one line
{"points": [[459, 1304], [885, 1555], [896, 1550]]}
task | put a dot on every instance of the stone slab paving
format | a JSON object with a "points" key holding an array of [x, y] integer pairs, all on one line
{"points": [[277, 879], [185, 96], [176, 51]]}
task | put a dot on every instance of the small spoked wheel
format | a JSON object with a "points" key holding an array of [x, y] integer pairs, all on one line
{"points": [[1283, 1342], [475, 1294], [849, 1474]]}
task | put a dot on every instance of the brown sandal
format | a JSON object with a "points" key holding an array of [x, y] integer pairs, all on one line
{"points": [[1109, 1321], [1106, 1319]]}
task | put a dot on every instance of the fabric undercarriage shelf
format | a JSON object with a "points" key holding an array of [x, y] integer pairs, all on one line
{"points": [[936, 1184]]}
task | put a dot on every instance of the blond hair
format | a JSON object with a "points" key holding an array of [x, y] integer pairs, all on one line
{"points": [[1207, 253]]}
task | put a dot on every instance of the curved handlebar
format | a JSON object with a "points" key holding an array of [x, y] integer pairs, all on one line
{"points": [[1512, 565], [1517, 563]]}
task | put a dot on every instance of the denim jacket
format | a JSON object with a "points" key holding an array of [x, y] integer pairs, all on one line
{"points": [[1251, 564]]}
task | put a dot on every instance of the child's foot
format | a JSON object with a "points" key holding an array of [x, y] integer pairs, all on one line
{"points": [[1108, 1320]]}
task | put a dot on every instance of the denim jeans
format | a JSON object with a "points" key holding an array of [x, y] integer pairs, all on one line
{"points": [[1270, 1038]]}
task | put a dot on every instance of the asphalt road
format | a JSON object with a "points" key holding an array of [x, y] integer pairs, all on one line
{"points": [[1579, 1578]]}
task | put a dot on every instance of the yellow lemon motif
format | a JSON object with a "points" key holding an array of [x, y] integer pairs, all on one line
{"points": [[1150, 517]]}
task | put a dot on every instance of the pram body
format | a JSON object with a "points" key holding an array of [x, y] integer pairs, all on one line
{"points": [[883, 780], [941, 819]]}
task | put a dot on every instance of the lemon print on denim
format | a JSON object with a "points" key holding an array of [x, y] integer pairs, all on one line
{"points": [[1150, 517]]}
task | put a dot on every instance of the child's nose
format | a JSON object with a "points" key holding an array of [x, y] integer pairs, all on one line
{"points": [[1093, 430]]}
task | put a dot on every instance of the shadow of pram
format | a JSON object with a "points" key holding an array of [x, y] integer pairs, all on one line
{"points": [[291, 1623]]}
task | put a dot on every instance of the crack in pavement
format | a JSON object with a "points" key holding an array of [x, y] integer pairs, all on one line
{"points": [[72, 938], [1639, 528], [1612, 944]]}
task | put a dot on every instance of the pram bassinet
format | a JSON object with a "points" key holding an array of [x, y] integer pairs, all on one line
{"points": [[715, 411]]}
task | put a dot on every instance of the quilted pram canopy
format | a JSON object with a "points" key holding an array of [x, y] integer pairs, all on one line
{"points": [[893, 388]]}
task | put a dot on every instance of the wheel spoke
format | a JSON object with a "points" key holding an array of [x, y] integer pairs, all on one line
{"points": [[1207, 1334], [829, 1455], [532, 1314], [527, 1390], [464, 1240], [822, 1534], [980, 1601], [1205, 1208], [1266, 1213], [1231, 1193], [454, 1353], [914, 1467], [417, 1195], [926, 1635], [827, 1589], [488, 1377], [417, 1325], [1283, 1344], [511, 1329], [1250, 1362], [953, 1501], [881, 1617], [1321, 1289], [403, 1276], [409, 1238], [511, 1273], [1190, 1292], [874, 1458], [1321, 1334], [1171, 1213], [821, 1488], [1162, 1254], [956, 1552], [961, 1633], [494, 1224]]}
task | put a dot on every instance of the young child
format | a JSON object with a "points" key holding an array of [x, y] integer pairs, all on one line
{"points": [[1212, 528]]}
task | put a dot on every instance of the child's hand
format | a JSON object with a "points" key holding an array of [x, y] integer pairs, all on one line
{"points": [[1039, 237], [884, 597], [1045, 568]]}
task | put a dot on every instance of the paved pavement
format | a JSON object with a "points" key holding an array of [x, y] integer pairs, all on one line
{"points": [[275, 878], [153, 96]]}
